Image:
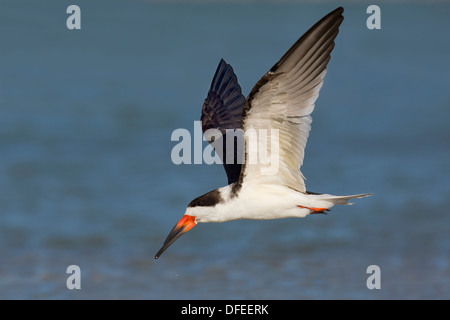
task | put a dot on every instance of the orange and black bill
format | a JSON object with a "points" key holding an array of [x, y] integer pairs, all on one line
{"points": [[184, 225]]}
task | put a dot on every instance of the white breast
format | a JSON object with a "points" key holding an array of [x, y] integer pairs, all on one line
{"points": [[261, 202]]}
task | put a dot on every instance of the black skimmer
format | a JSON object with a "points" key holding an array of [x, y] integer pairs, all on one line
{"points": [[282, 100]]}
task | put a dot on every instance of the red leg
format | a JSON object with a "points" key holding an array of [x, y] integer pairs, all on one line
{"points": [[315, 210]]}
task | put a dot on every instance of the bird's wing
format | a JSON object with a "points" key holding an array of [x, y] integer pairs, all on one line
{"points": [[281, 103], [222, 110]]}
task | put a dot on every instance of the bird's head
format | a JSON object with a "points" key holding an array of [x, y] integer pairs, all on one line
{"points": [[196, 211]]}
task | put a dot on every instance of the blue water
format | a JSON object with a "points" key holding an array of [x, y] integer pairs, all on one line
{"points": [[86, 176]]}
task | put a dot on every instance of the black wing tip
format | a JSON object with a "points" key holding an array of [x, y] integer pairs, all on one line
{"points": [[223, 64], [336, 12], [339, 9], [334, 15], [332, 19], [223, 70]]}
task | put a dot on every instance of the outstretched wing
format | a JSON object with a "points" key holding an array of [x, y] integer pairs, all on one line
{"points": [[222, 110], [283, 100]]}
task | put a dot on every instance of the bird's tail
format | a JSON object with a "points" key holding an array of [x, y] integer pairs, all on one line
{"points": [[345, 199]]}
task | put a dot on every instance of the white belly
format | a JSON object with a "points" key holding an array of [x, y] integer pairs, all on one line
{"points": [[262, 202]]}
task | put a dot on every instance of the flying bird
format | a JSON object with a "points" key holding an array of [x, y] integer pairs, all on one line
{"points": [[281, 101]]}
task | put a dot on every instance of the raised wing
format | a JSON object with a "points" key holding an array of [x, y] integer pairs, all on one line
{"points": [[283, 100], [222, 110]]}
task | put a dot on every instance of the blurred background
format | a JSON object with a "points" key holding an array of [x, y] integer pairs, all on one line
{"points": [[86, 176]]}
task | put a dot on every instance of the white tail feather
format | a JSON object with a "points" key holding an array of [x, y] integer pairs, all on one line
{"points": [[344, 199]]}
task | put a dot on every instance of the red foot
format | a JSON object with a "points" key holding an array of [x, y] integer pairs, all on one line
{"points": [[315, 210]]}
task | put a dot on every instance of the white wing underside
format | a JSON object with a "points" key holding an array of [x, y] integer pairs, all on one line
{"points": [[283, 101], [292, 121]]}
